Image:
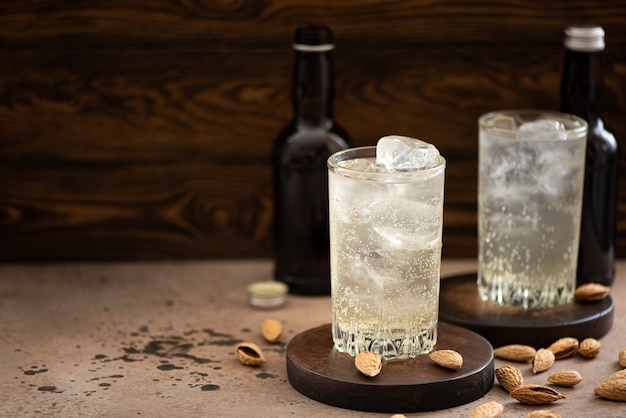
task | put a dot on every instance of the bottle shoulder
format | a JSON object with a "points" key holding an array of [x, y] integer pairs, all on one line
{"points": [[600, 136], [602, 148], [303, 137]]}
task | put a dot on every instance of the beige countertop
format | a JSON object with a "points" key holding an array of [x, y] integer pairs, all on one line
{"points": [[158, 339]]}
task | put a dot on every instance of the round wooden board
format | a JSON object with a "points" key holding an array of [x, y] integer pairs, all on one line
{"points": [[320, 372], [460, 304]]}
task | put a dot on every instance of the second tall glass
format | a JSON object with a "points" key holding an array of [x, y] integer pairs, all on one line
{"points": [[530, 186]]}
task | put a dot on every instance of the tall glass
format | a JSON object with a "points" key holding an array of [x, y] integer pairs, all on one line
{"points": [[530, 184], [385, 252]]}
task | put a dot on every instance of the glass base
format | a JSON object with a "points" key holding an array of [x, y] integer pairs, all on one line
{"points": [[503, 292], [390, 348]]}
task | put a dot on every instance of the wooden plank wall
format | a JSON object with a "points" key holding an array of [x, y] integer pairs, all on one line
{"points": [[142, 129]]}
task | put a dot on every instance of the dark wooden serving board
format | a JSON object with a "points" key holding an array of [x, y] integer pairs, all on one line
{"points": [[460, 304], [322, 373]]}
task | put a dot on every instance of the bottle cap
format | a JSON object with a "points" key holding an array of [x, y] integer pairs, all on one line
{"points": [[267, 294], [584, 38], [313, 39]]}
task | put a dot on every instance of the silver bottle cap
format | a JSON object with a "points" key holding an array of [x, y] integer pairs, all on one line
{"points": [[267, 294], [584, 38]]}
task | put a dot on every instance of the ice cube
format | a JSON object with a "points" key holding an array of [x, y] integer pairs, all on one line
{"points": [[360, 164], [401, 153], [406, 225], [504, 122], [542, 130]]}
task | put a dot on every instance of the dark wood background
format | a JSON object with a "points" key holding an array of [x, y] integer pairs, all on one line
{"points": [[142, 129]]}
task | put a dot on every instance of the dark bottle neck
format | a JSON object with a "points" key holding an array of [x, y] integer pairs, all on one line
{"points": [[582, 85], [313, 85]]}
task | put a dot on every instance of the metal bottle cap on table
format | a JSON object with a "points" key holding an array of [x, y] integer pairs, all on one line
{"points": [[267, 294]]}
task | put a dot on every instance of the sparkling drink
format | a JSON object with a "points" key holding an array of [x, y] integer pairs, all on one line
{"points": [[385, 234], [530, 186]]}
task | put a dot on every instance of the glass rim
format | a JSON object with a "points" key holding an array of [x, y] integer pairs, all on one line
{"points": [[383, 177], [572, 132]]}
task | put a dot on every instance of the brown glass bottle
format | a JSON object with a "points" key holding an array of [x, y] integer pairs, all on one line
{"points": [[581, 95], [301, 236]]}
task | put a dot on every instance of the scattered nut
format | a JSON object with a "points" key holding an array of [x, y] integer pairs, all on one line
{"points": [[271, 330], [488, 410], [622, 357], [515, 352], [536, 394], [589, 347], [449, 359], [368, 363], [543, 360], [564, 347], [250, 354], [591, 292], [540, 413], [509, 377], [566, 378], [613, 387]]}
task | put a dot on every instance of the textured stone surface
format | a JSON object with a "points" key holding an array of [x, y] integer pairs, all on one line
{"points": [[158, 339]]}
